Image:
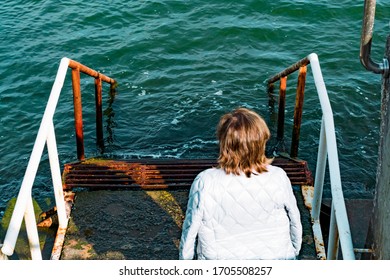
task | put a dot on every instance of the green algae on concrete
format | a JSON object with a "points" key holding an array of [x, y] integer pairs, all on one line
{"points": [[22, 249], [125, 225], [137, 224]]}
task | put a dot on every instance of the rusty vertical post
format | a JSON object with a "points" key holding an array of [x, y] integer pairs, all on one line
{"points": [[78, 115], [99, 113], [282, 106], [271, 98], [298, 111]]}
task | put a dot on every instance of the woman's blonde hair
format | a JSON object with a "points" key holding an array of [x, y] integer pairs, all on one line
{"points": [[242, 136]]}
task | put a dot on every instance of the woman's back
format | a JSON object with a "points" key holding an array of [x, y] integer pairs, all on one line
{"points": [[245, 208], [244, 218]]}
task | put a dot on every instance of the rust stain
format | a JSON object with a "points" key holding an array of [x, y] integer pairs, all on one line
{"points": [[308, 193], [320, 248], [157, 174]]}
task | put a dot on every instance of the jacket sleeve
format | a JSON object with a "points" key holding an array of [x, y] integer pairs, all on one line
{"points": [[294, 216], [192, 221]]}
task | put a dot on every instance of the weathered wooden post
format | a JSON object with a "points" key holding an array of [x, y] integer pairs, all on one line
{"points": [[380, 222], [381, 215]]}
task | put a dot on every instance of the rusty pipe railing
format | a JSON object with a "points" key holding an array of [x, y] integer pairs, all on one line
{"points": [[366, 41], [300, 92], [78, 115], [23, 209], [298, 111], [339, 230]]}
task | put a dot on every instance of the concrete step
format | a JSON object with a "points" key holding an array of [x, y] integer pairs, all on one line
{"points": [[142, 218]]}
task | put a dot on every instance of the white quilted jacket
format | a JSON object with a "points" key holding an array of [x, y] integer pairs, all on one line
{"points": [[235, 217]]}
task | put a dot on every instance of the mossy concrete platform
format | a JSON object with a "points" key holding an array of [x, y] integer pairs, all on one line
{"points": [[138, 224]]}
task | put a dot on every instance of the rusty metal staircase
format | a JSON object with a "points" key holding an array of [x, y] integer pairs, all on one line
{"points": [[149, 208]]}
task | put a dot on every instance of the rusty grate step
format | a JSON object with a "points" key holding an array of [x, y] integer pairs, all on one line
{"points": [[152, 174]]}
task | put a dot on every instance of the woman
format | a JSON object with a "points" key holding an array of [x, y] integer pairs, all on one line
{"points": [[245, 208]]}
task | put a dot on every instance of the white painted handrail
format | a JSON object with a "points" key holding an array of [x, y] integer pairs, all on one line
{"points": [[339, 226], [327, 149], [23, 207], [46, 136]]}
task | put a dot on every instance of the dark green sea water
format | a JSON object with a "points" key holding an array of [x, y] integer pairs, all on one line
{"points": [[180, 65]]}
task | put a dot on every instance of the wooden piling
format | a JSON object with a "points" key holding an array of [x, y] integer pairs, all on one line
{"points": [[381, 219]]}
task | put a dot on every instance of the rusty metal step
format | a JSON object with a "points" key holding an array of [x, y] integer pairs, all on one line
{"points": [[152, 174]]}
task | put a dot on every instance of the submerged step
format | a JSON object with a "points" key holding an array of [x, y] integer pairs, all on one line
{"points": [[155, 174]]}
